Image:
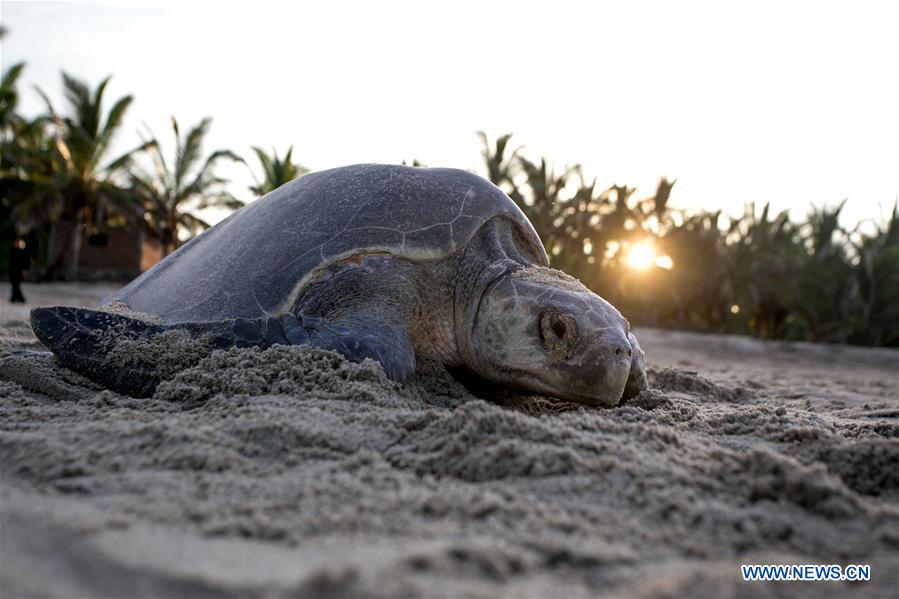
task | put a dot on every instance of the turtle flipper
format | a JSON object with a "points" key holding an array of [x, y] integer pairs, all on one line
{"points": [[84, 341], [77, 337], [385, 342]]}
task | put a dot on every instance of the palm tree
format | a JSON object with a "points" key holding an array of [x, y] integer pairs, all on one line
{"points": [[827, 296], [275, 171], [877, 280], [542, 202], [765, 255], [170, 194], [761, 273], [698, 292], [29, 163], [87, 182], [9, 96], [500, 168]]}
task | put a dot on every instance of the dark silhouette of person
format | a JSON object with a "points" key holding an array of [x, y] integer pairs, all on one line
{"points": [[19, 262]]}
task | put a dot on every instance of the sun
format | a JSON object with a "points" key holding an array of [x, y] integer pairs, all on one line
{"points": [[641, 255]]}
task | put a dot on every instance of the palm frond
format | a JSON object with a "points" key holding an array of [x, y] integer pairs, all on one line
{"points": [[221, 200], [191, 223], [266, 162], [9, 96], [204, 180], [277, 171], [112, 125], [189, 152], [79, 98], [126, 159]]}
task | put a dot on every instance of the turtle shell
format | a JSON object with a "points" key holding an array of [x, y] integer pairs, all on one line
{"points": [[256, 261]]}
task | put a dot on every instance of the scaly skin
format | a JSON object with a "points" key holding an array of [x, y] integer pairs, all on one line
{"points": [[488, 308]]}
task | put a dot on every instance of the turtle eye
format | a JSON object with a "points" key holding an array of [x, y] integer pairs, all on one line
{"points": [[558, 332]]}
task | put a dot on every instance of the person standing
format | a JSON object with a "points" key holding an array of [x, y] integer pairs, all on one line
{"points": [[19, 262]]}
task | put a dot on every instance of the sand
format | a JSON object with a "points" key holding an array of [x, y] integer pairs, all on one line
{"points": [[292, 472]]}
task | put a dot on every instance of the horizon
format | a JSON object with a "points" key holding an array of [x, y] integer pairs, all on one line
{"points": [[656, 93]]}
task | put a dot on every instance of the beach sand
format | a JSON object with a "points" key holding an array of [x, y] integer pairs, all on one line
{"points": [[292, 472]]}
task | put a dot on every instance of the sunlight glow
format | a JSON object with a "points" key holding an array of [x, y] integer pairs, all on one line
{"points": [[641, 256], [664, 262], [612, 248]]}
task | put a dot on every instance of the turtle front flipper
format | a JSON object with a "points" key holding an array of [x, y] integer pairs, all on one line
{"points": [[95, 344], [358, 338], [108, 348], [81, 340]]}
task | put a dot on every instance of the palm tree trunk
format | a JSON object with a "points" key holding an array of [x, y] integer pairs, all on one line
{"points": [[170, 235], [75, 240]]}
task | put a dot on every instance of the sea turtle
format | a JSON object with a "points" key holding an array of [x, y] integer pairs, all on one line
{"points": [[372, 261]]}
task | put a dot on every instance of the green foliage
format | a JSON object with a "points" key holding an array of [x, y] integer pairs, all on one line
{"points": [[877, 280], [57, 168], [499, 165], [276, 171], [86, 181], [9, 95], [171, 195], [30, 166]]}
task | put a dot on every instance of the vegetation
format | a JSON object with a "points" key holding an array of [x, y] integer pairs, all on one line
{"points": [[27, 163], [90, 195], [56, 172], [275, 171], [758, 273], [171, 194]]}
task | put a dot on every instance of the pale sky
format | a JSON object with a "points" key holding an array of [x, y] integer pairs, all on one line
{"points": [[787, 102]]}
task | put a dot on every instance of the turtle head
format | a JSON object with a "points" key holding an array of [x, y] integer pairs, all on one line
{"points": [[541, 330]]}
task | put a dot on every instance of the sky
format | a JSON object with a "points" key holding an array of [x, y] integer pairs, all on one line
{"points": [[791, 103]]}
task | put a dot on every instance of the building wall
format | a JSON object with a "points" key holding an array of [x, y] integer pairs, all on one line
{"points": [[121, 254], [152, 252]]}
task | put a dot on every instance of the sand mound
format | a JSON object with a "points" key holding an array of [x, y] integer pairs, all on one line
{"points": [[292, 471]]}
